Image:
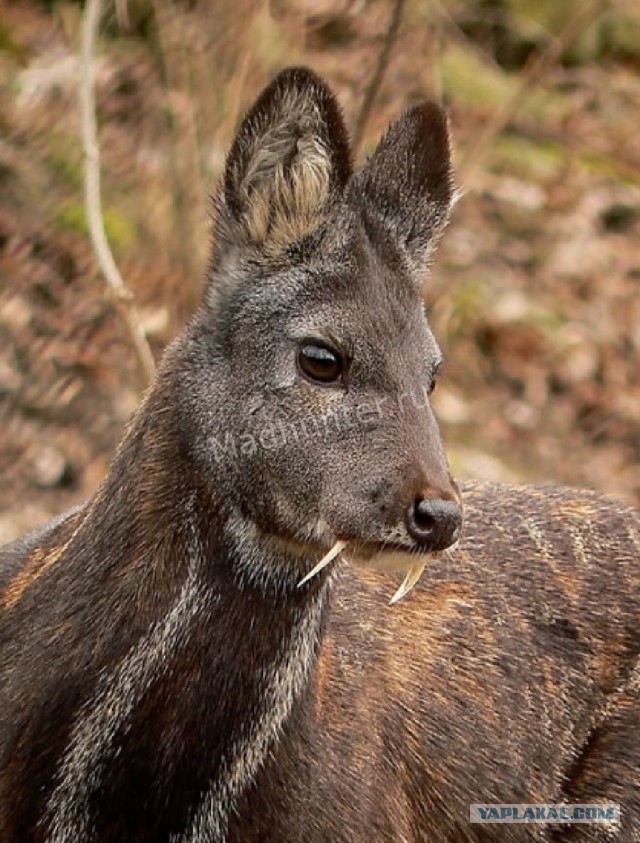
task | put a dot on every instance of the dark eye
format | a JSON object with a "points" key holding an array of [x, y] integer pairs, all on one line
{"points": [[434, 377], [320, 364]]}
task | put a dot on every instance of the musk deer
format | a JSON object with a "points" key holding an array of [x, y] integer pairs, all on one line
{"points": [[169, 672]]}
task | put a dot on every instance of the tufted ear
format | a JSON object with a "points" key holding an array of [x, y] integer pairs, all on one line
{"points": [[287, 166], [406, 188]]}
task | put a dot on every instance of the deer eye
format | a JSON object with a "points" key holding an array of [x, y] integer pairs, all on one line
{"points": [[434, 376], [320, 363]]}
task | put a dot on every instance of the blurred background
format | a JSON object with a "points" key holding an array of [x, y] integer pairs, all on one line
{"points": [[534, 296]]}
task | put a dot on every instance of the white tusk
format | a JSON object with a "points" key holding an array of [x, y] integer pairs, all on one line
{"points": [[413, 575], [329, 557]]}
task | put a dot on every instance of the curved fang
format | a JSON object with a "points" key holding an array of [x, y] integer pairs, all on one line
{"points": [[413, 575], [338, 547]]}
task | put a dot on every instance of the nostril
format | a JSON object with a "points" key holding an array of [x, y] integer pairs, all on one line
{"points": [[434, 523], [424, 516]]}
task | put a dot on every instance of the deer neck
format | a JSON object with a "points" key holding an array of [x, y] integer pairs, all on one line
{"points": [[225, 653]]}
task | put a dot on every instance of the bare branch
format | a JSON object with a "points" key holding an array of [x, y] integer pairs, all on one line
{"points": [[536, 69], [122, 296], [178, 44], [122, 15], [378, 76]]}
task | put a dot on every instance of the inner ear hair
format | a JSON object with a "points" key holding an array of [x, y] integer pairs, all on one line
{"points": [[286, 188], [289, 161]]}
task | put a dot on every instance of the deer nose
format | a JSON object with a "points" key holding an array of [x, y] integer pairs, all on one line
{"points": [[434, 523]]}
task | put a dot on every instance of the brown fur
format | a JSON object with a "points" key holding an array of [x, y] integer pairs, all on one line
{"points": [[163, 677]]}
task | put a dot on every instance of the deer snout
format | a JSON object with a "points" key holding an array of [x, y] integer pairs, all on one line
{"points": [[434, 523]]}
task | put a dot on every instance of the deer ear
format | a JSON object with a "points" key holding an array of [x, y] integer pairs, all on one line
{"points": [[406, 188], [287, 166]]}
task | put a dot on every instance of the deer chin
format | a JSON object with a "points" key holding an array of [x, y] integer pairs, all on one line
{"points": [[392, 561], [386, 560]]}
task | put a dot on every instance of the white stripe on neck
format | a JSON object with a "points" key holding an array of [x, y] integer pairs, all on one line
{"points": [[91, 745], [281, 681]]}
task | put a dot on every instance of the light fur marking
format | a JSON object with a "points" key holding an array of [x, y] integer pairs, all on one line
{"points": [[105, 715], [282, 682]]}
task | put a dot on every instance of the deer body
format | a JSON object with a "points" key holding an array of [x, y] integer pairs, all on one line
{"points": [[163, 678]]}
